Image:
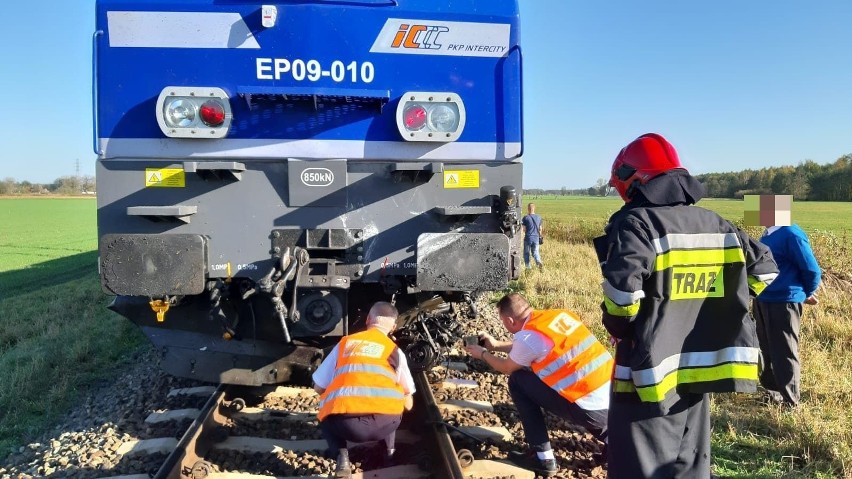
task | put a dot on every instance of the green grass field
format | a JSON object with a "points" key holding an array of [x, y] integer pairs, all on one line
{"points": [[45, 241], [810, 215], [57, 337]]}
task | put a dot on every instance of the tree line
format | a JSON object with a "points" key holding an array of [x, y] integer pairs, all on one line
{"points": [[65, 185], [807, 181]]}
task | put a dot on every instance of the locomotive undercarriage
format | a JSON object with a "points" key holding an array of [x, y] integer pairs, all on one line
{"points": [[274, 320], [278, 328], [240, 340]]}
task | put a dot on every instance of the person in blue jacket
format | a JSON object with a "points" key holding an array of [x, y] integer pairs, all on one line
{"points": [[533, 234], [778, 311]]}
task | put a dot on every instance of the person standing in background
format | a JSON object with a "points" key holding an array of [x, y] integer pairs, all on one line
{"points": [[533, 236], [778, 308]]}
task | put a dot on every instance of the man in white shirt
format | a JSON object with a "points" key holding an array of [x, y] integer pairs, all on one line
{"points": [[554, 363], [364, 385]]}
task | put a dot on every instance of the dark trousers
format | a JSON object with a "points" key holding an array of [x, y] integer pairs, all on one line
{"points": [[530, 395], [338, 428], [778, 327], [644, 443]]}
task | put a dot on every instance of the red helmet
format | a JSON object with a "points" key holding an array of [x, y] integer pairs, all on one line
{"points": [[643, 159]]}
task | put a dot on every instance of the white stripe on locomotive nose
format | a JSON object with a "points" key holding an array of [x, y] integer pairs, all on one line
{"points": [[307, 148], [179, 30]]}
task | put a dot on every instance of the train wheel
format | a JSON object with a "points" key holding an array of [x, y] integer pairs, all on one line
{"points": [[465, 458], [237, 404], [200, 470], [421, 356]]}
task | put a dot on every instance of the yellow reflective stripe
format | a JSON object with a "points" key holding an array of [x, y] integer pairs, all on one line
{"points": [[698, 257], [616, 310], [622, 386], [692, 241], [756, 285], [657, 392]]}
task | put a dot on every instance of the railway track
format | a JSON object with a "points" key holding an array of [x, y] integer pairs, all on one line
{"points": [[162, 427], [235, 436]]}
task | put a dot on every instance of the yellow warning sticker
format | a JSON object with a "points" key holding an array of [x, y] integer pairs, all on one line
{"points": [[461, 179], [165, 177]]}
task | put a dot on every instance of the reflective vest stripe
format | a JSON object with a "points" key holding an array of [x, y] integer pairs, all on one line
{"points": [[569, 381], [621, 297], [364, 381], [658, 392], [362, 391], [623, 372], [365, 368], [578, 364], [698, 257], [659, 373], [652, 385], [756, 285], [616, 310], [623, 386], [567, 357], [694, 241]]}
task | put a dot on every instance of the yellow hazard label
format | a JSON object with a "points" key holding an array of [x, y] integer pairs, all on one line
{"points": [[165, 177], [461, 179], [695, 282]]}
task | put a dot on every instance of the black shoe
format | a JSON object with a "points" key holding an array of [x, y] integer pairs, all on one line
{"points": [[344, 468], [530, 461]]}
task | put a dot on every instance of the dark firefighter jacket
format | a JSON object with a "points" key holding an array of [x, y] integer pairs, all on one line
{"points": [[677, 284]]}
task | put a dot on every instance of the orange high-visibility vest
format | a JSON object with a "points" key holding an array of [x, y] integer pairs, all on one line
{"points": [[578, 363], [364, 381]]}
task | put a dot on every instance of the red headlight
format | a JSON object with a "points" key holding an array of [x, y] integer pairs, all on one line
{"points": [[212, 113], [414, 117]]}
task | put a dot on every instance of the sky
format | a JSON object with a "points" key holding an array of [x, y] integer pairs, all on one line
{"points": [[732, 84]]}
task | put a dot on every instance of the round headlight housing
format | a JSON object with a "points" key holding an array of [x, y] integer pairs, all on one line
{"points": [[180, 113], [443, 117]]}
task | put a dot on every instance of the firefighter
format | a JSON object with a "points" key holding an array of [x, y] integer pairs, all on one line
{"points": [[677, 284], [364, 386], [554, 363]]}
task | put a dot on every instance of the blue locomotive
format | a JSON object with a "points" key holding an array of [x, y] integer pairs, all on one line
{"points": [[266, 171]]}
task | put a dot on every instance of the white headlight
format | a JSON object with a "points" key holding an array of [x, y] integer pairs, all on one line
{"points": [[180, 113], [444, 117]]}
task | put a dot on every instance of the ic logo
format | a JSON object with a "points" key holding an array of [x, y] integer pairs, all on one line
{"points": [[563, 324], [418, 36], [317, 177]]}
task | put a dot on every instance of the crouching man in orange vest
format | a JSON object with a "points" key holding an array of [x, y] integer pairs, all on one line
{"points": [[364, 386], [554, 363]]}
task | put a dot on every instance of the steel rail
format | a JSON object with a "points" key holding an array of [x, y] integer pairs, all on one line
{"points": [[443, 443], [196, 441]]}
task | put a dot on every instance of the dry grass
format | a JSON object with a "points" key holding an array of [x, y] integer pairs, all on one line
{"points": [[750, 440]]}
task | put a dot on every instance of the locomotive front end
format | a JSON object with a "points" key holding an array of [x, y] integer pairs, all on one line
{"points": [[266, 172]]}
